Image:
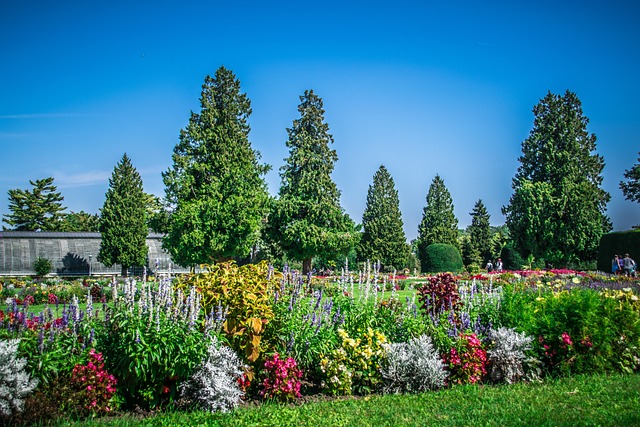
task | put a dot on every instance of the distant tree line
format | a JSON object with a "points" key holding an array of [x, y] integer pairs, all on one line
{"points": [[217, 207]]}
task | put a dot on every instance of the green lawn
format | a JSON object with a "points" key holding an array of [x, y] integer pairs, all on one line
{"points": [[579, 401]]}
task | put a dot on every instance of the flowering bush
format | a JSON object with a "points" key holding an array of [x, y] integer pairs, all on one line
{"points": [[94, 386], [282, 380], [413, 367], [15, 383], [467, 362], [355, 366], [217, 384], [439, 294]]}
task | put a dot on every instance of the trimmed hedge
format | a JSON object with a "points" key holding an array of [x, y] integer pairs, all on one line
{"points": [[622, 242], [442, 257]]}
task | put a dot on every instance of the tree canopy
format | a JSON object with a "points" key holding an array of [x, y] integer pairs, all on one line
{"points": [[80, 221], [122, 219], [557, 210], [383, 237], [307, 219], [439, 223], [215, 187], [631, 188], [37, 210]]}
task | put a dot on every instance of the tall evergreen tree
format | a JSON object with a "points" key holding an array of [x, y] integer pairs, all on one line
{"points": [[216, 186], [480, 234], [307, 219], [631, 188], [39, 209], [383, 237], [439, 223], [557, 210], [122, 219]]}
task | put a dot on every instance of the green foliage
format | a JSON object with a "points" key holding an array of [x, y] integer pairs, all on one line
{"points": [[631, 188], [37, 210], [244, 293], [215, 185], [440, 294], [307, 219], [122, 222], [42, 266], [383, 237], [439, 224], [151, 343], [557, 210], [441, 257], [80, 221], [511, 258], [618, 243], [480, 233]]}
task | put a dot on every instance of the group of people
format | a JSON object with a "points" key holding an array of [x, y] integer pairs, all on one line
{"points": [[626, 266], [497, 267]]}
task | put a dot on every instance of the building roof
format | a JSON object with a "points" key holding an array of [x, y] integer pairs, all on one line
{"points": [[59, 235]]}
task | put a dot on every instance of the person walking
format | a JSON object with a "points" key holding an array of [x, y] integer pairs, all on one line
{"points": [[499, 265], [616, 265], [628, 265]]}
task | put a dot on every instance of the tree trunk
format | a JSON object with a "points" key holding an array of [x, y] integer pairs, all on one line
{"points": [[306, 266]]}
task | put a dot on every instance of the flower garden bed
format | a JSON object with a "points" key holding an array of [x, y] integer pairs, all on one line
{"points": [[236, 334]]}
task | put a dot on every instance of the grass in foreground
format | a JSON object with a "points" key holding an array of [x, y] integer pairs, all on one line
{"points": [[579, 401]]}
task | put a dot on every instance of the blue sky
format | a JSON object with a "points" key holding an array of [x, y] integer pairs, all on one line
{"points": [[424, 88]]}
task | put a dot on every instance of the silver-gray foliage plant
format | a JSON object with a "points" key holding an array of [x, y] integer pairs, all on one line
{"points": [[413, 367], [15, 383], [214, 386], [507, 357]]}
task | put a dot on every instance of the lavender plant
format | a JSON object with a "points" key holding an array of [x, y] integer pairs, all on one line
{"points": [[214, 386], [507, 356], [15, 382], [413, 367]]}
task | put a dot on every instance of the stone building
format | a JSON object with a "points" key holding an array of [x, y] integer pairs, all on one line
{"points": [[72, 254]]}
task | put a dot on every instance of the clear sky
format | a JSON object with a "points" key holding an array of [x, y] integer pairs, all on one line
{"points": [[423, 87]]}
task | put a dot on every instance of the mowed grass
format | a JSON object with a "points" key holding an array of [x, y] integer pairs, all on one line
{"points": [[598, 400]]}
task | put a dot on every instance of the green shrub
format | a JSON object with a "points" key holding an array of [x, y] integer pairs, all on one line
{"points": [[511, 259], [625, 242], [442, 257], [42, 266]]}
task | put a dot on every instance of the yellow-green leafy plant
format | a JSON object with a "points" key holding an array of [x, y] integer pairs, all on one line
{"points": [[355, 367], [244, 294]]}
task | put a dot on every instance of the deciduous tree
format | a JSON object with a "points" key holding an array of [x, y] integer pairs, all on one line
{"points": [[557, 210], [215, 186], [122, 219]]}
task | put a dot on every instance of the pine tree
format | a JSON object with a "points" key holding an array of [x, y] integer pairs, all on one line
{"points": [[37, 210], [480, 232], [439, 223], [80, 221], [383, 237], [557, 210], [122, 219], [307, 219], [631, 188], [215, 187]]}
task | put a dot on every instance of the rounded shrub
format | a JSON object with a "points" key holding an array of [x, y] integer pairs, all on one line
{"points": [[441, 257], [42, 266], [511, 258]]}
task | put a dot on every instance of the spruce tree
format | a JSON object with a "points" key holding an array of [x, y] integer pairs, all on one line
{"points": [[215, 187], [122, 219], [439, 223], [307, 219], [37, 210], [480, 234], [383, 237], [557, 210]]}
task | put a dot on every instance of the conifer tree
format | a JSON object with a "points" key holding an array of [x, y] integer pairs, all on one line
{"points": [[439, 223], [480, 234], [631, 188], [122, 219], [307, 219], [383, 237], [215, 187], [37, 210], [557, 210]]}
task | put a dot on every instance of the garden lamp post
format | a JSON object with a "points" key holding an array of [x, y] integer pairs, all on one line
{"points": [[90, 265]]}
